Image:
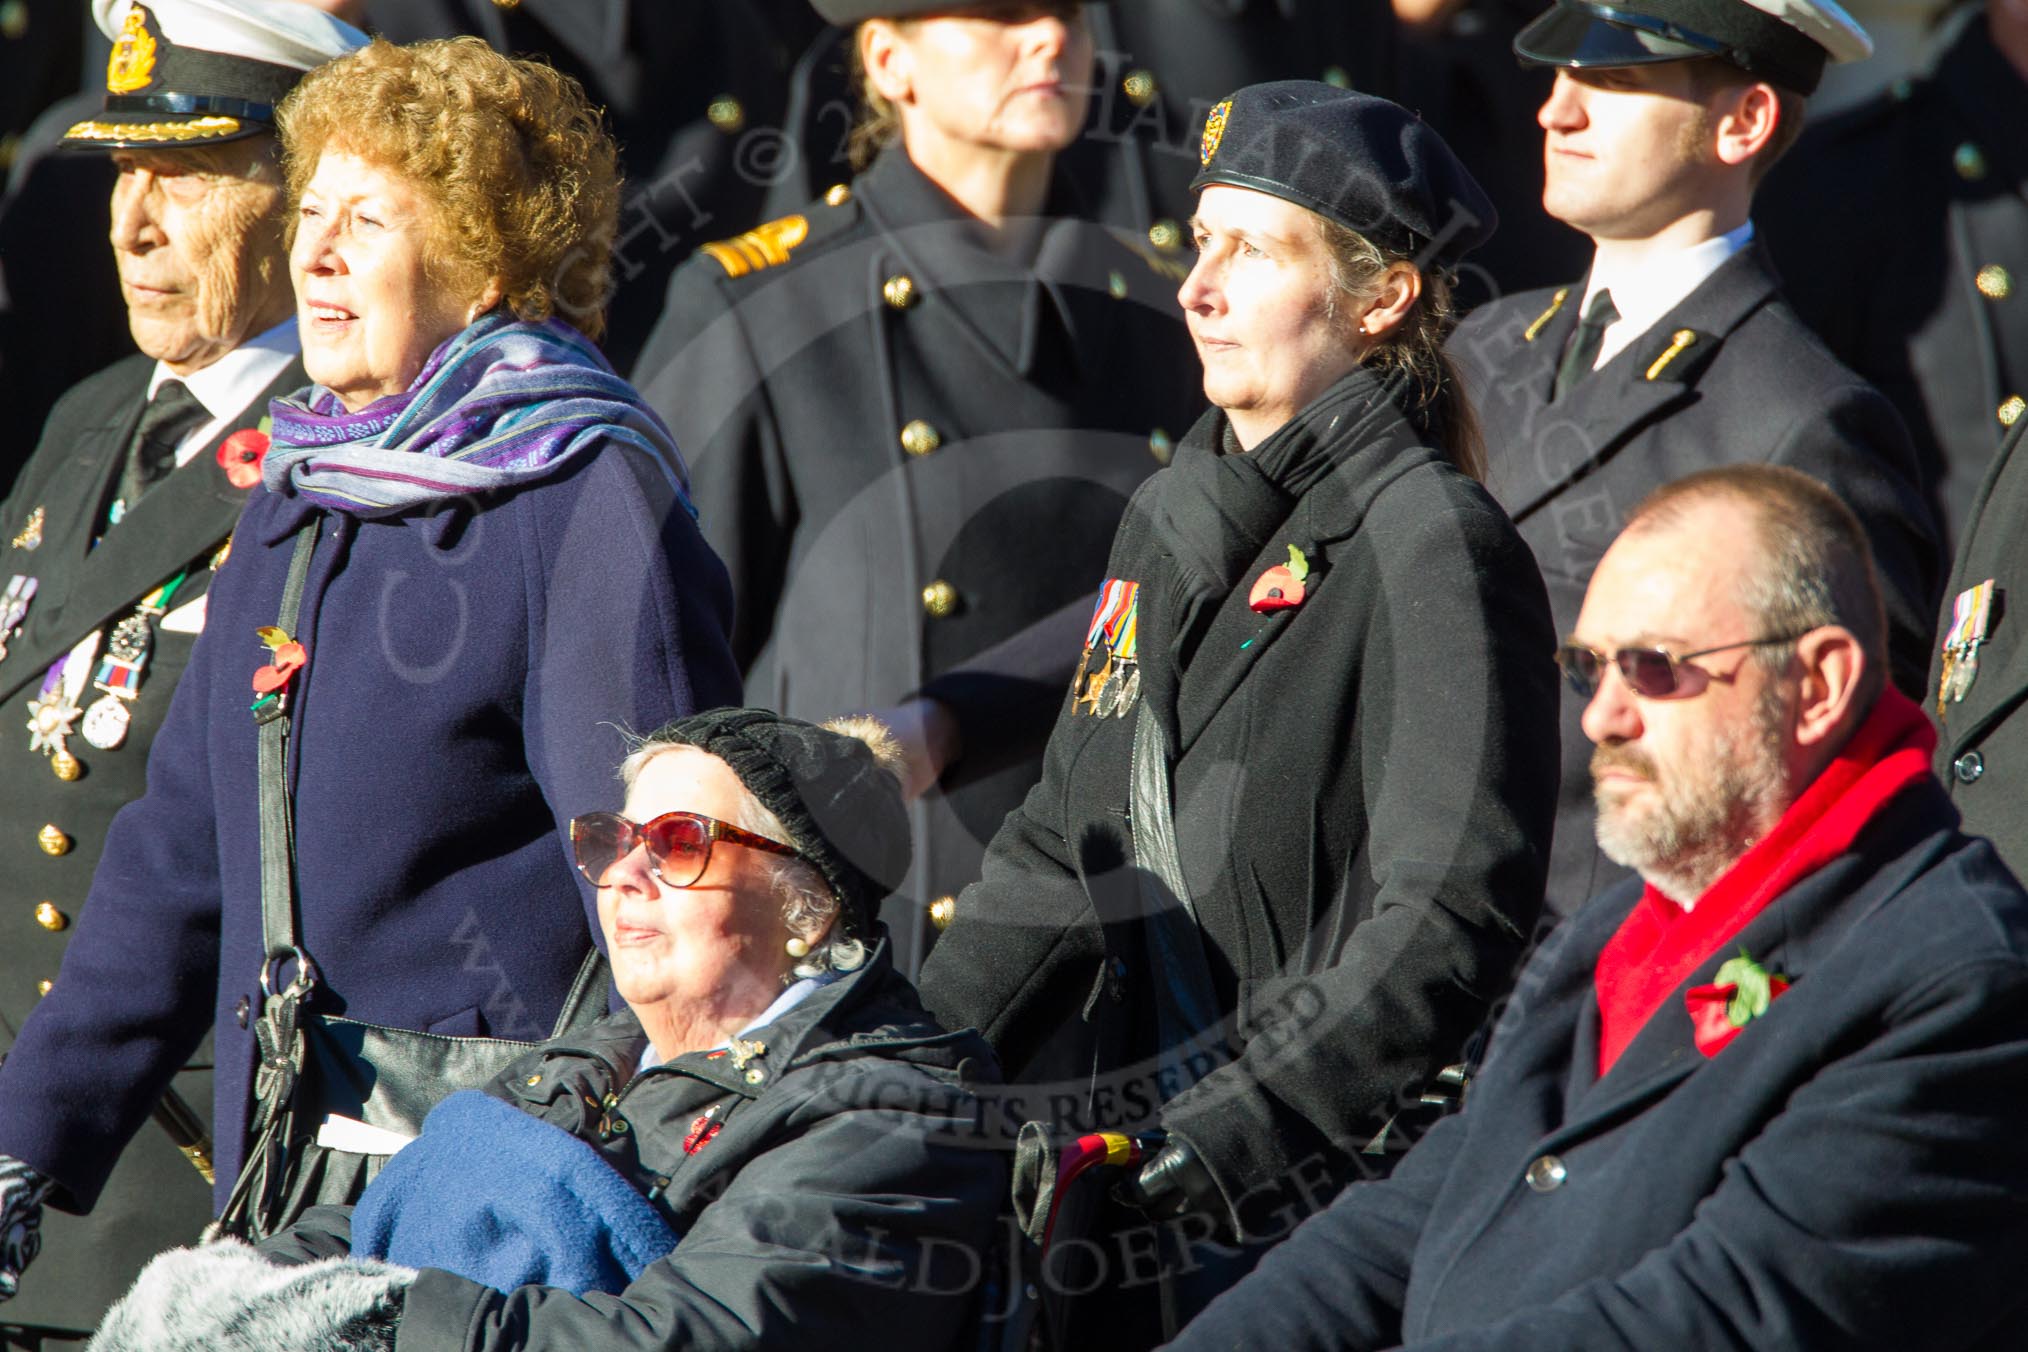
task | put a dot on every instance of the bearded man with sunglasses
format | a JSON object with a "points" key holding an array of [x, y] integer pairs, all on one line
{"points": [[1770, 1094]]}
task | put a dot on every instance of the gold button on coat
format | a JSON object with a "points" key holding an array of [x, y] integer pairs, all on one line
{"points": [[837, 195], [1546, 1174], [2010, 412], [941, 910], [65, 766], [1166, 236], [940, 599], [51, 919], [1994, 282], [1140, 87], [919, 438], [899, 291], [726, 113], [1969, 161], [43, 987], [52, 841]]}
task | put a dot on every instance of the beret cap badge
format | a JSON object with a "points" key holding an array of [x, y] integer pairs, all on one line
{"points": [[1214, 131], [132, 64]]}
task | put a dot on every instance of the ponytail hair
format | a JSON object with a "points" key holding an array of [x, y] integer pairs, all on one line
{"points": [[1430, 392]]}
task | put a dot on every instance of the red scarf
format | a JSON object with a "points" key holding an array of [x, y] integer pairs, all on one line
{"points": [[1660, 944]]}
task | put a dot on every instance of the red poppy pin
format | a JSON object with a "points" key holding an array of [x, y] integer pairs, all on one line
{"points": [[240, 455], [289, 657], [702, 1128], [1281, 587], [1742, 993]]}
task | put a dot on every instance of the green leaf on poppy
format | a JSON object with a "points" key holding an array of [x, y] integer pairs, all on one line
{"points": [[1752, 992], [1299, 564]]}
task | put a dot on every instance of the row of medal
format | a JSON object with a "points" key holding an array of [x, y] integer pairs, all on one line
{"points": [[1109, 688], [54, 714], [1971, 621]]}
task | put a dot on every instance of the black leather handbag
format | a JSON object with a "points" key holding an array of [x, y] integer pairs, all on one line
{"points": [[313, 1066]]}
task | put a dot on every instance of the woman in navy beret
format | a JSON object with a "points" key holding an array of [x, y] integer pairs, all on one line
{"points": [[1294, 820]]}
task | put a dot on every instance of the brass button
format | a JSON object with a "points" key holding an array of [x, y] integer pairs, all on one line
{"points": [[898, 291], [919, 438], [941, 910], [1969, 161], [1994, 282], [726, 113], [1161, 445], [1166, 236], [507, 4], [52, 841], [2010, 412], [1337, 77], [44, 987], [51, 919], [532, 1081], [838, 195], [65, 766], [1140, 87], [756, 1075], [1547, 1174], [940, 599], [1116, 284]]}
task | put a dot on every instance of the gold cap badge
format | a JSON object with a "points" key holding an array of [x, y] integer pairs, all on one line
{"points": [[132, 64], [1214, 131]]}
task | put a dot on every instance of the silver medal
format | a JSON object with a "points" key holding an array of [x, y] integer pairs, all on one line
{"points": [[105, 722]]}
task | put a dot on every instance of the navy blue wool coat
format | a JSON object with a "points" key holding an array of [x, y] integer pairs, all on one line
{"points": [[469, 673], [1847, 1173]]}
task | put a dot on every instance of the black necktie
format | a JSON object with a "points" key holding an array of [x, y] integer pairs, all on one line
{"points": [[171, 415], [1584, 344]]}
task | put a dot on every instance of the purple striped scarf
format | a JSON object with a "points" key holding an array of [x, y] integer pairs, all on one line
{"points": [[500, 404]]}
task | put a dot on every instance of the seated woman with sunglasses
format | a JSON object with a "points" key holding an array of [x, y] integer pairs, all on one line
{"points": [[773, 1145]]}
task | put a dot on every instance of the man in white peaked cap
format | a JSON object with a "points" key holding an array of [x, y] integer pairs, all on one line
{"points": [[1676, 352], [107, 544]]}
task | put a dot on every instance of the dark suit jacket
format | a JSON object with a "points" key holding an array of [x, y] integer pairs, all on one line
{"points": [[1901, 229], [1847, 1173], [155, 1199], [1049, 379], [1981, 735], [1751, 385]]}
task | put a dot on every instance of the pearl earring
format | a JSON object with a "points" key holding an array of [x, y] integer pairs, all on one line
{"points": [[798, 948]]}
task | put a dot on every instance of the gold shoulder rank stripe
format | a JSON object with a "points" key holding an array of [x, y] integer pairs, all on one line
{"points": [[1555, 303], [764, 246], [1679, 342]]}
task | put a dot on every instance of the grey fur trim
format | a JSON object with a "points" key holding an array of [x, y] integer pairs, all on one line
{"points": [[226, 1297]]}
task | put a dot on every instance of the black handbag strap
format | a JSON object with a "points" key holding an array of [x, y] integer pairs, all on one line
{"points": [[278, 841], [1186, 1003]]}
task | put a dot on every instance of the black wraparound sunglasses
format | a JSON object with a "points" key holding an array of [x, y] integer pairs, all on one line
{"points": [[1653, 673], [679, 844]]}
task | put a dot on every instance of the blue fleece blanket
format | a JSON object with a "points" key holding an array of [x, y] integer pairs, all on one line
{"points": [[505, 1199]]}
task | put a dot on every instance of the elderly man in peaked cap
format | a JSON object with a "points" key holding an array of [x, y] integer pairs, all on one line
{"points": [[107, 545], [1676, 352]]}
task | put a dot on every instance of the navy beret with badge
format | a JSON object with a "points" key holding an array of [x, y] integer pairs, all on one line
{"points": [[198, 72], [1370, 165], [1785, 42]]}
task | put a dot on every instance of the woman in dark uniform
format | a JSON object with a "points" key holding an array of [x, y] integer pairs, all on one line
{"points": [[1292, 828], [914, 412]]}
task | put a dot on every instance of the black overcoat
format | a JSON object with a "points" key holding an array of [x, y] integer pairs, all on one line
{"points": [[1981, 735], [843, 1186], [1363, 789], [874, 404], [1748, 385], [1846, 1173], [154, 1199], [1901, 231]]}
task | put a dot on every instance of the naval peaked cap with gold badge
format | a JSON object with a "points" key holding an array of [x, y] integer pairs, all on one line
{"points": [[1785, 42], [198, 72], [1370, 165]]}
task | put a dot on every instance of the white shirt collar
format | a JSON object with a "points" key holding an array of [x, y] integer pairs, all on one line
{"points": [[786, 1001], [1644, 295], [232, 382]]}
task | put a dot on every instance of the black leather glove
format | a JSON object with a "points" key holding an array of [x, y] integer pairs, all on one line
{"points": [[1172, 1181], [21, 1192]]}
